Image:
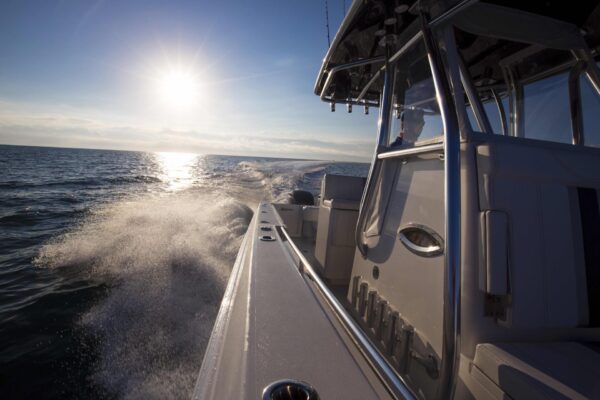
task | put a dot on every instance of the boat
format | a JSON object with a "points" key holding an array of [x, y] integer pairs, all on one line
{"points": [[466, 264]]}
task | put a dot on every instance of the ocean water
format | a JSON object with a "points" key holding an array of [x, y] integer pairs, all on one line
{"points": [[113, 264]]}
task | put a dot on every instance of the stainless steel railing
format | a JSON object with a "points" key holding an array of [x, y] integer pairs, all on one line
{"points": [[452, 251], [394, 382]]}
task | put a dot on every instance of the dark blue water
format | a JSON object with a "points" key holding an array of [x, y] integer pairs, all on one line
{"points": [[113, 264]]}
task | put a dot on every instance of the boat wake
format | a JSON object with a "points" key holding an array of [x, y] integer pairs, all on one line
{"points": [[278, 178], [166, 260]]}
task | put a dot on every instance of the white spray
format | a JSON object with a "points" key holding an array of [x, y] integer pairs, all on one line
{"points": [[168, 260]]}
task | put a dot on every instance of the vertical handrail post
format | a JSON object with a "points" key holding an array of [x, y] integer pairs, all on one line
{"points": [[383, 134], [476, 106], [452, 206], [501, 112], [575, 103]]}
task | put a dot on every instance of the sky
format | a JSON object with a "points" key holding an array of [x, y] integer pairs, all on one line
{"points": [[208, 77]]}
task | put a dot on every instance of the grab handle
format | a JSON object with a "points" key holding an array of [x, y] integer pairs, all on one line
{"points": [[421, 240]]}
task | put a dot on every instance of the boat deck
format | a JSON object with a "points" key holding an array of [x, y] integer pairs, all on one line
{"points": [[307, 247]]}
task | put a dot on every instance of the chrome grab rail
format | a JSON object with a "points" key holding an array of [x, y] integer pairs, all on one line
{"points": [[393, 382], [411, 151]]}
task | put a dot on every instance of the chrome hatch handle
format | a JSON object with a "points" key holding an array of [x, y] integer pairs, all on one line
{"points": [[421, 240]]}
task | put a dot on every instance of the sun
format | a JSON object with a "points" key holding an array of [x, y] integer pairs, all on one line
{"points": [[179, 89]]}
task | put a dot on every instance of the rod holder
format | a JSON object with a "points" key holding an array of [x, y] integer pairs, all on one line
{"points": [[289, 389]]}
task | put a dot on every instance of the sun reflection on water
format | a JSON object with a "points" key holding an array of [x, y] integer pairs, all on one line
{"points": [[177, 169]]}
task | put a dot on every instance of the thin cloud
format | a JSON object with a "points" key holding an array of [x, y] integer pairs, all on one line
{"points": [[70, 130]]}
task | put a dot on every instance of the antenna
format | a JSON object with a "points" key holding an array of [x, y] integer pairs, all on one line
{"points": [[327, 23]]}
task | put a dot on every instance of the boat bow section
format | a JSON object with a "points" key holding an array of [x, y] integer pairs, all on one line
{"points": [[273, 326]]}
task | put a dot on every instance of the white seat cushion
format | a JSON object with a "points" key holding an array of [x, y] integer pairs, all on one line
{"points": [[562, 370]]}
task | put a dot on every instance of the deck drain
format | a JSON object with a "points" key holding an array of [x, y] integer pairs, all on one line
{"points": [[267, 238], [266, 228]]}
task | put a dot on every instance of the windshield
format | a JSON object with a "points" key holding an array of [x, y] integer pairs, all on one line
{"points": [[416, 111]]}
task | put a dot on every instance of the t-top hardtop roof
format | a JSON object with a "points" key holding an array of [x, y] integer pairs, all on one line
{"points": [[350, 70]]}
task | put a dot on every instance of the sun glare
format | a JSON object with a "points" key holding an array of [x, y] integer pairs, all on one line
{"points": [[177, 169], [179, 89]]}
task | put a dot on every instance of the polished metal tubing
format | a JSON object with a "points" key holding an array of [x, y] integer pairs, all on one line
{"points": [[343, 67], [449, 14], [405, 47], [593, 77], [575, 103], [339, 37], [501, 111], [411, 151], [382, 136], [393, 382], [368, 85], [591, 72], [383, 128], [368, 103], [511, 99], [520, 107], [385, 115], [482, 119], [532, 78], [452, 257], [515, 102], [373, 60]]}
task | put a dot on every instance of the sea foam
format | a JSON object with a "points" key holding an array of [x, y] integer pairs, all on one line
{"points": [[166, 260]]}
